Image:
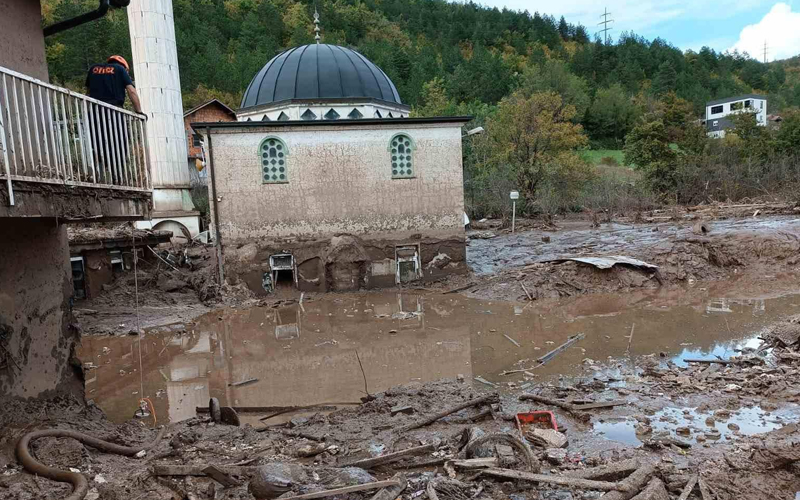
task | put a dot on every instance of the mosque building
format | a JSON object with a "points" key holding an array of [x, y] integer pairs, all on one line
{"points": [[325, 183]]}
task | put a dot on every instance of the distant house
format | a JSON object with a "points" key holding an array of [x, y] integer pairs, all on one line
{"points": [[718, 112], [210, 111]]}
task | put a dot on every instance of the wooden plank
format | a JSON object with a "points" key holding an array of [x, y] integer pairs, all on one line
{"points": [[345, 490], [575, 482]]}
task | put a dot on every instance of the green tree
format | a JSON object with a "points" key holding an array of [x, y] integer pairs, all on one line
{"points": [[434, 100], [647, 148], [611, 116], [555, 76], [787, 138], [484, 76], [535, 136], [666, 79]]}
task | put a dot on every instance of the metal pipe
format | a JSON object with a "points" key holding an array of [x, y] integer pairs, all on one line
{"points": [[216, 208], [66, 24]]}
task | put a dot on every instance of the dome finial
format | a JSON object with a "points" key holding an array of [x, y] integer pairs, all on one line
{"points": [[317, 37]]}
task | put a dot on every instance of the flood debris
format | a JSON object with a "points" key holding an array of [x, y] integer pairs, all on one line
{"points": [[488, 399], [606, 262]]}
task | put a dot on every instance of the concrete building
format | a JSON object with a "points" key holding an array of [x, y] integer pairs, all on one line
{"points": [[155, 66], [719, 111], [98, 255], [64, 158], [210, 111], [325, 183]]}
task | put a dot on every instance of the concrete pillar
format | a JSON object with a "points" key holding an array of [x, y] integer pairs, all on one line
{"points": [[35, 291], [155, 69]]}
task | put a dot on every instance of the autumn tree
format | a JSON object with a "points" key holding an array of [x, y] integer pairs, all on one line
{"points": [[535, 137]]}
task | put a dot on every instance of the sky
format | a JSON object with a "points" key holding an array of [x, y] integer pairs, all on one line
{"points": [[689, 24]]}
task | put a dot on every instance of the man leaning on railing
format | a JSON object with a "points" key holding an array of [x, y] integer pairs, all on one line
{"points": [[109, 83]]}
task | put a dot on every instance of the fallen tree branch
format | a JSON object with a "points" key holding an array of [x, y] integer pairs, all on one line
{"points": [[491, 398], [369, 463], [606, 472], [346, 489], [392, 492], [687, 490], [633, 484], [574, 482]]}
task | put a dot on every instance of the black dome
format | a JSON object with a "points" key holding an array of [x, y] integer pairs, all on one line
{"points": [[319, 71]]}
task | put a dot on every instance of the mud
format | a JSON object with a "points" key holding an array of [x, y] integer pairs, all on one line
{"points": [[753, 246]]}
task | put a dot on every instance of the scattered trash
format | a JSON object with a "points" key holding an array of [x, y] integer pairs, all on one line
{"points": [[606, 262]]}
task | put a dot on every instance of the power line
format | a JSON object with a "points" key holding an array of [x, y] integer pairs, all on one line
{"points": [[605, 22], [765, 51]]}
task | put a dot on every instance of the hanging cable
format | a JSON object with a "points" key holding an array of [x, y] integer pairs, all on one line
{"points": [[141, 411]]}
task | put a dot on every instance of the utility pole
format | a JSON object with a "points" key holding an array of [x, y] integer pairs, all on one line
{"points": [[605, 22], [765, 51]]}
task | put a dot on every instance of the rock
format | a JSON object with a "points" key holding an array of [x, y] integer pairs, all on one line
{"points": [[547, 438], [722, 414], [733, 427], [700, 438], [184, 438], [685, 431], [298, 421], [310, 450], [556, 456], [710, 421], [171, 285], [506, 455], [545, 239]]}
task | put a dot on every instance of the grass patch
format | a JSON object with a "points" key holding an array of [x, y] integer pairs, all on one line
{"points": [[596, 156]]}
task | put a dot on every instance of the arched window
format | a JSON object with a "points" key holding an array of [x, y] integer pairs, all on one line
{"points": [[274, 167], [401, 148]]}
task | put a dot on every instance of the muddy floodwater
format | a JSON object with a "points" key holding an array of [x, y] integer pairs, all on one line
{"points": [[311, 353]]}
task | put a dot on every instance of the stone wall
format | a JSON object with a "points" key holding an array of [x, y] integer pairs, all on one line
{"points": [[22, 39], [35, 289], [341, 213]]}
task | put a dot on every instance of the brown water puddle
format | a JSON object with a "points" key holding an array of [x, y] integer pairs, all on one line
{"points": [[306, 354]]}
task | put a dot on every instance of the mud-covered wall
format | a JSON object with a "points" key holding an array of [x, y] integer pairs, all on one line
{"points": [[22, 39], [339, 181], [35, 288]]}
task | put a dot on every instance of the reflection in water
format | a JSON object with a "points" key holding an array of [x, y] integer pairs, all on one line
{"points": [[306, 354], [743, 422]]}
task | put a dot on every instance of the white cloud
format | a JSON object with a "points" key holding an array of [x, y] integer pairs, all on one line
{"points": [[632, 15], [780, 28]]}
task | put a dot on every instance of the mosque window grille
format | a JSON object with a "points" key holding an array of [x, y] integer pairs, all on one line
{"points": [[283, 117], [401, 151], [332, 115], [308, 115], [273, 154], [355, 115]]}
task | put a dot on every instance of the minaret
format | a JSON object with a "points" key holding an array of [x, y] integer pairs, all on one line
{"points": [[155, 70], [317, 36]]}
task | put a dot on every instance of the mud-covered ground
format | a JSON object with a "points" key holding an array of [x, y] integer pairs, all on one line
{"points": [[688, 250], [733, 424]]}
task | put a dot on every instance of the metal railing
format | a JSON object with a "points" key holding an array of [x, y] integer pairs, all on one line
{"points": [[52, 135]]}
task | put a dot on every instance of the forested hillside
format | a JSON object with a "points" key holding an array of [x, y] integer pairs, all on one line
{"points": [[514, 71]]}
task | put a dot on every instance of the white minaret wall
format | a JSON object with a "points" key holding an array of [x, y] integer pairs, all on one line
{"points": [[155, 69]]}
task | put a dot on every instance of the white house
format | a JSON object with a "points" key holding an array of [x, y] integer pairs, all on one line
{"points": [[717, 112]]}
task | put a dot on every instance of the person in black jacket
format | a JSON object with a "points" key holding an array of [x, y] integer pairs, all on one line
{"points": [[110, 81]]}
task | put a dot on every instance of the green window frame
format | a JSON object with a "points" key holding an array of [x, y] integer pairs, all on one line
{"points": [[273, 163], [401, 156]]}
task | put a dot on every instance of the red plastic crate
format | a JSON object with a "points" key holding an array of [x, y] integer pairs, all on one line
{"points": [[544, 419]]}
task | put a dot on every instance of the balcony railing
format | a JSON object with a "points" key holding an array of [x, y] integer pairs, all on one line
{"points": [[50, 134]]}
